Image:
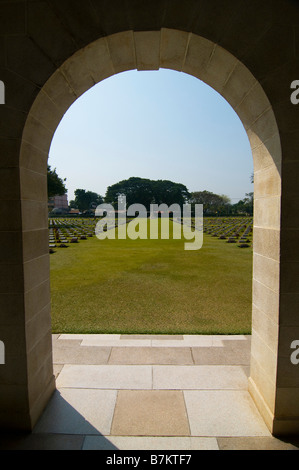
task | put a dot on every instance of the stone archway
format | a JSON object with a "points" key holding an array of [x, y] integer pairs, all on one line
{"points": [[27, 381], [207, 61]]}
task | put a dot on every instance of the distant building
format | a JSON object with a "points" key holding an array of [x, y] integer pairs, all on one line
{"points": [[58, 202]]}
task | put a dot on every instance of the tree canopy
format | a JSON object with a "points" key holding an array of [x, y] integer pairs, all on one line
{"points": [[56, 186], [213, 204], [86, 200], [146, 192], [245, 206], [220, 205]]}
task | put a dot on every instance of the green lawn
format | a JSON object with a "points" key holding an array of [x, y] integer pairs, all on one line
{"points": [[151, 286]]}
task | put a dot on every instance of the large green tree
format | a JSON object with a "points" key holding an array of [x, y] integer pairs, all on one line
{"points": [[168, 192], [245, 206], [56, 185], [146, 192], [86, 200], [213, 204]]}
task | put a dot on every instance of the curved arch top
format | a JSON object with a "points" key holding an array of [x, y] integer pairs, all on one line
{"points": [[152, 50]]}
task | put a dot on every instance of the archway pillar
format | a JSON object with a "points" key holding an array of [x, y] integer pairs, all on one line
{"points": [[26, 377], [274, 375]]}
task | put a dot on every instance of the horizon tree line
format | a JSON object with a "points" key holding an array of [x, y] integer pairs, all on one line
{"points": [[146, 192]]}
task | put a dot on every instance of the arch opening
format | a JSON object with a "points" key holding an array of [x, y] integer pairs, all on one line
{"points": [[159, 148]]}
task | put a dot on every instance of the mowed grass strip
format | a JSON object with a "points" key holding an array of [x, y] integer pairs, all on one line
{"points": [[151, 287]]}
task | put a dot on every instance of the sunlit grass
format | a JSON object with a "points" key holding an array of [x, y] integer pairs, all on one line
{"points": [[151, 286]]}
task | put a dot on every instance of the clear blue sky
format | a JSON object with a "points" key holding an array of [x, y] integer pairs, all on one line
{"points": [[158, 125]]}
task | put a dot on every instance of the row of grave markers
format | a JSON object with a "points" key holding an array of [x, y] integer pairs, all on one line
{"points": [[63, 232]]}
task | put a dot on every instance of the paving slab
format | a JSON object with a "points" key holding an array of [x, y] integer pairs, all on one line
{"points": [[149, 443], [98, 341], [200, 377], [150, 413], [57, 368], [67, 343], [236, 345], [55, 337], [76, 411], [223, 413], [82, 337], [149, 355], [153, 337], [221, 356], [188, 341], [116, 377], [218, 340], [81, 355], [257, 443]]}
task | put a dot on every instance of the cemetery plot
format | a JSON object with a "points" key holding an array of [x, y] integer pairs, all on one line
{"points": [[151, 286], [63, 232], [232, 230]]}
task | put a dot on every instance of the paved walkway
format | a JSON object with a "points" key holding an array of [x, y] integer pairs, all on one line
{"points": [[150, 393]]}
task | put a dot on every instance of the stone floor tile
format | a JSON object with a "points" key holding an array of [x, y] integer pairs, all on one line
{"points": [[223, 413], [57, 368], [218, 340], [77, 411], [105, 377], [72, 337], [188, 341], [198, 340], [42, 442], [236, 346], [67, 343], [81, 355], [100, 337], [199, 377], [220, 356], [55, 337], [154, 337], [147, 355], [150, 413], [257, 443], [149, 443], [97, 341]]}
